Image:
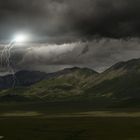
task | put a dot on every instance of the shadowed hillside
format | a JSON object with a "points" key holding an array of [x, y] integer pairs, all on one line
{"points": [[121, 82]]}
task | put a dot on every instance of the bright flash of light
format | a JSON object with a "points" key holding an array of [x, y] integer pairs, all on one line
{"points": [[19, 38], [5, 55]]}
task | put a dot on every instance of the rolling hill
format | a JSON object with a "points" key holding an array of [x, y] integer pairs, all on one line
{"points": [[21, 78], [62, 84], [119, 83]]}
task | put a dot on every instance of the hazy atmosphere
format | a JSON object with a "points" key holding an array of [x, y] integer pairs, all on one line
{"points": [[92, 33], [70, 69]]}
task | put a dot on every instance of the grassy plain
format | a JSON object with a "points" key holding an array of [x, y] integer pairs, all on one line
{"points": [[71, 121]]}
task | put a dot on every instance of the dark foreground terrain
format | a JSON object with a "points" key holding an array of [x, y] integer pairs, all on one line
{"points": [[70, 128], [59, 122]]}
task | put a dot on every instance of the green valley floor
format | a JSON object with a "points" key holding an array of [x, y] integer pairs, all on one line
{"points": [[20, 123]]}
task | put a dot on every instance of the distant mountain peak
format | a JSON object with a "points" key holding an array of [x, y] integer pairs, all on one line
{"points": [[118, 83], [130, 65], [27, 78]]}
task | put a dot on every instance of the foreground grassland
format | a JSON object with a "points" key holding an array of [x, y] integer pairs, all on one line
{"points": [[54, 122], [70, 128]]}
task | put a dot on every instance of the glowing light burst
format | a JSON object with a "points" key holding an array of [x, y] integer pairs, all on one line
{"points": [[6, 54], [20, 38]]}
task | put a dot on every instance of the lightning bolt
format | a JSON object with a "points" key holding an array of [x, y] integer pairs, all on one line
{"points": [[5, 60]]}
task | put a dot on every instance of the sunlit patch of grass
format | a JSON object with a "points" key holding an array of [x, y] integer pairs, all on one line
{"points": [[20, 114]]}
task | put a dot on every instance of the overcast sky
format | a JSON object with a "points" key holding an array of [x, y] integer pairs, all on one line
{"points": [[66, 33]]}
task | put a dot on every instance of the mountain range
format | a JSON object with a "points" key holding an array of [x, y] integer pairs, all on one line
{"points": [[119, 83]]}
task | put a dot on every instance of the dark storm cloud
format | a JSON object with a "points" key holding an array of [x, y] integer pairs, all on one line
{"points": [[85, 33], [95, 54], [68, 20]]}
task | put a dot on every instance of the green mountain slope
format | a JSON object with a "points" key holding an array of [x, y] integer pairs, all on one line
{"points": [[119, 83], [65, 86]]}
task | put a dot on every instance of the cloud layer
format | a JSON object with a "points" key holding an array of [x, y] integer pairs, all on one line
{"points": [[86, 33], [70, 20], [95, 54]]}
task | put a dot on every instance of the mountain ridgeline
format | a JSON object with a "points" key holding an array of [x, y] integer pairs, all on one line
{"points": [[26, 78], [119, 83]]}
